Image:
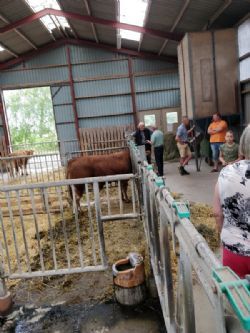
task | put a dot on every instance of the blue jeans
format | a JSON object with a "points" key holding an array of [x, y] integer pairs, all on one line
{"points": [[215, 146]]}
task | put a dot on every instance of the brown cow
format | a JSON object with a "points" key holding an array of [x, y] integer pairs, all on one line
{"points": [[99, 165], [20, 163]]}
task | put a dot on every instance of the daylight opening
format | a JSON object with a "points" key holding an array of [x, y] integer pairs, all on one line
{"points": [[30, 118], [50, 21], [132, 12], [1, 48]]}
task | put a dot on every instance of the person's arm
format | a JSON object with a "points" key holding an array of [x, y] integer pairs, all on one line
{"points": [[221, 158], [218, 214], [221, 128], [191, 129], [152, 140], [210, 130], [177, 137]]}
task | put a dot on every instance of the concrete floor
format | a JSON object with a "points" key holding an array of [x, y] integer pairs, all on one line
{"points": [[196, 187]]}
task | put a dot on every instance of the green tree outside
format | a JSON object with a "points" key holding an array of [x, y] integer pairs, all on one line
{"points": [[30, 118]]}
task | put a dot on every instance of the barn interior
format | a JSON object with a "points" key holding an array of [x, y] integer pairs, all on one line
{"points": [[107, 65]]}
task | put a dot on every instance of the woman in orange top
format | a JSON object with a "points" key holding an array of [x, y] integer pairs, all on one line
{"points": [[217, 131]]}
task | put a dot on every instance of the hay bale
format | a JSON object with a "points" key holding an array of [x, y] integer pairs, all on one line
{"points": [[170, 148]]}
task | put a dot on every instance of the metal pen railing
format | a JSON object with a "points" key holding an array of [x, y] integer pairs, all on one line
{"points": [[168, 229]]}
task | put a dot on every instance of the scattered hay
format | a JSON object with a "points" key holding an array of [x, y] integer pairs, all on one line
{"points": [[203, 219]]}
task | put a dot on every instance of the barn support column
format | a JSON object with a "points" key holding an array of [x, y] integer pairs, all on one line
{"points": [[4, 122], [132, 89], [72, 92]]}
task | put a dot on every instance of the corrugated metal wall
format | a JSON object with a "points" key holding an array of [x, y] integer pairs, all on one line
{"points": [[244, 67], [101, 85]]}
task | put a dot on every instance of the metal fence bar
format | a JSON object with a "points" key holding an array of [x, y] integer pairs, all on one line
{"points": [[133, 194], [99, 223], [167, 281], [120, 197], [75, 210], [107, 196], [92, 238], [66, 241], [188, 301], [23, 230], [45, 193], [63, 271], [13, 231], [5, 242], [31, 192]]}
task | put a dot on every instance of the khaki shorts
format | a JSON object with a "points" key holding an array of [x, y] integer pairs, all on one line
{"points": [[184, 150]]}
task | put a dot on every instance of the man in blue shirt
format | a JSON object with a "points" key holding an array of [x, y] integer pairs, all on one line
{"points": [[182, 144], [157, 139]]}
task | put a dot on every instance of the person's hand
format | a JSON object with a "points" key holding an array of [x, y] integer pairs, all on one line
{"points": [[147, 141]]}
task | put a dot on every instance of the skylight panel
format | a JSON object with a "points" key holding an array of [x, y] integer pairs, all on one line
{"points": [[50, 21], [132, 12], [1, 48]]}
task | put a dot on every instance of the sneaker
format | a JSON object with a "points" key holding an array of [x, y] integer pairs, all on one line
{"points": [[185, 172], [181, 170]]}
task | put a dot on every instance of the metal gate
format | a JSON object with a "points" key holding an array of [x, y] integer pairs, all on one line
{"points": [[43, 233]]}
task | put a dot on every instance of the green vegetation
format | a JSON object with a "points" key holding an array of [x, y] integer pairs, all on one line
{"points": [[31, 118]]}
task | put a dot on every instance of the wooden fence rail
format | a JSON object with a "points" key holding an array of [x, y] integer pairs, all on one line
{"points": [[107, 137]]}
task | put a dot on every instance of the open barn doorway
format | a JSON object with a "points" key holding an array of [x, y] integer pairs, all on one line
{"points": [[31, 119]]}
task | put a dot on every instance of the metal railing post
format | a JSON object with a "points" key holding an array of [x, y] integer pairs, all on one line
{"points": [[99, 223], [188, 300], [167, 281]]}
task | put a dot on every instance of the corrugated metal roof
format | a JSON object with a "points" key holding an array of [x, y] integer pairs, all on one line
{"points": [[150, 44], [103, 8], [162, 16], [234, 13], [163, 13]]}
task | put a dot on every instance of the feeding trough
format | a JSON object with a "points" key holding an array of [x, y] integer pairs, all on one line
{"points": [[129, 280]]}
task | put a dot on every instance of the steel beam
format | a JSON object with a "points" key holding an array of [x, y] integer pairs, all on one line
{"points": [[72, 92], [87, 43], [132, 89], [91, 19], [4, 19], [9, 50], [177, 20]]}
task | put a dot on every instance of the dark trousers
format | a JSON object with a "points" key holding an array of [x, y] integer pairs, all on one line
{"points": [[159, 159]]}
